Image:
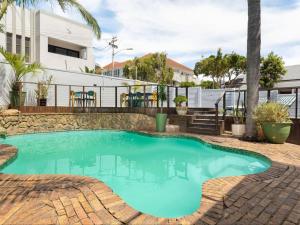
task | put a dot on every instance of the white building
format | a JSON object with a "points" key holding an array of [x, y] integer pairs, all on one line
{"points": [[54, 41]]}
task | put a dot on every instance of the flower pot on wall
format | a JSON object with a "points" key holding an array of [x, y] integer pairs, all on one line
{"points": [[277, 133], [17, 99], [161, 121], [181, 111], [42, 102], [238, 130]]}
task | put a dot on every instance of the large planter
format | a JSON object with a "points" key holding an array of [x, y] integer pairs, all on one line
{"points": [[42, 102], [161, 121], [17, 99], [181, 111], [238, 130], [260, 133], [277, 133]]}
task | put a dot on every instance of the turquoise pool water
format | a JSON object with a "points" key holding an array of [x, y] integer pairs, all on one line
{"points": [[159, 176]]}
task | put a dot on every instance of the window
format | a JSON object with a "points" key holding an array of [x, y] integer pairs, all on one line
{"points": [[9, 42], [63, 51], [27, 49], [18, 44], [117, 72]]}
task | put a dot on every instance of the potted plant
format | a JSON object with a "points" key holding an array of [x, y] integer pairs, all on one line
{"points": [[42, 91], [275, 121], [238, 128], [163, 76], [20, 69], [181, 110], [161, 118]]}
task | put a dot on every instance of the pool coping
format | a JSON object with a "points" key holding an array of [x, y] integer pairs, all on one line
{"points": [[214, 191]]}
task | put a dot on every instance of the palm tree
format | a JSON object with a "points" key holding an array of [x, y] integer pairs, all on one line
{"points": [[64, 5], [20, 68], [253, 64]]}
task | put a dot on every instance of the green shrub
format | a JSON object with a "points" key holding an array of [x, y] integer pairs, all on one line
{"points": [[179, 100], [187, 84], [3, 133], [272, 112]]}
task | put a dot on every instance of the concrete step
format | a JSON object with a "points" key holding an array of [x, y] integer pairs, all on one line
{"points": [[206, 121], [203, 125], [206, 116], [198, 130], [202, 113]]}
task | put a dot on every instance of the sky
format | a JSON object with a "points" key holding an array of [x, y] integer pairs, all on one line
{"points": [[188, 30]]}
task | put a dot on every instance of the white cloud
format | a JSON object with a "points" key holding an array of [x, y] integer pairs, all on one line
{"points": [[92, 5], [189, 29]]}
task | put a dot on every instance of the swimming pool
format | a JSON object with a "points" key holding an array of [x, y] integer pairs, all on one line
{"points": [[161, 176]]}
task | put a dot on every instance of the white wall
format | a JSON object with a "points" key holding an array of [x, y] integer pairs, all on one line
{"points": [[52, 26]]}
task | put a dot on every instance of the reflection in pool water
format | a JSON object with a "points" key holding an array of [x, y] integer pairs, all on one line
{"points": [[159, 176]]}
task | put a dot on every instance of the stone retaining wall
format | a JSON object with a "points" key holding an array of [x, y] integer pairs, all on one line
{"points": [[29, 123]]}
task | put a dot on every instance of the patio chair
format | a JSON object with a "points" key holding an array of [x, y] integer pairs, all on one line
{"points": [[124, 100], [153, 98], [91, 98], [75, 98], [139, 99]]}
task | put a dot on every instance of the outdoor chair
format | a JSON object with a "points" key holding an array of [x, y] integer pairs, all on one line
{"points": [[75, 98], [91, 98], [153, 98], [124, 100], [139, 99]]}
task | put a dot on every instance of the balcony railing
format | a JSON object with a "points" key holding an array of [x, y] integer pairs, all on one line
{"points": [[66, 98]]}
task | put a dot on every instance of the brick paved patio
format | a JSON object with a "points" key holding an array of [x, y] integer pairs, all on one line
{"points": [[272, 197]]}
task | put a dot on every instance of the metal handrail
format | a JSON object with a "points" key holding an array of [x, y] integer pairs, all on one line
{"points": [[217, 108]]}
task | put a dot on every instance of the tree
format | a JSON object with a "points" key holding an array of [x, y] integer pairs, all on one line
{"points": [[214, 66], [64, 5], [236, 65], [187, 84], [152, 68], [253, 64], [208, 84], [272, 70], [98, 69]]}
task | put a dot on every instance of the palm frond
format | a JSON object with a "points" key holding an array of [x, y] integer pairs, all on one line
{"points": [[4, 6], [64, 5], [32, 68], [89, 19], [18, 64]]}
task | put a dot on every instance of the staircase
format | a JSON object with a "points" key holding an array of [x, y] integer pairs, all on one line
{"points": [[205, 121]]}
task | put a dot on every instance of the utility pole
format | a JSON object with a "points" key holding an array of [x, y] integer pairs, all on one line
{"points": [[113, 45]]}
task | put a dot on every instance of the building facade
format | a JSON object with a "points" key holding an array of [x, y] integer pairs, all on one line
{"points": [[181, 72], [54, 41]]}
